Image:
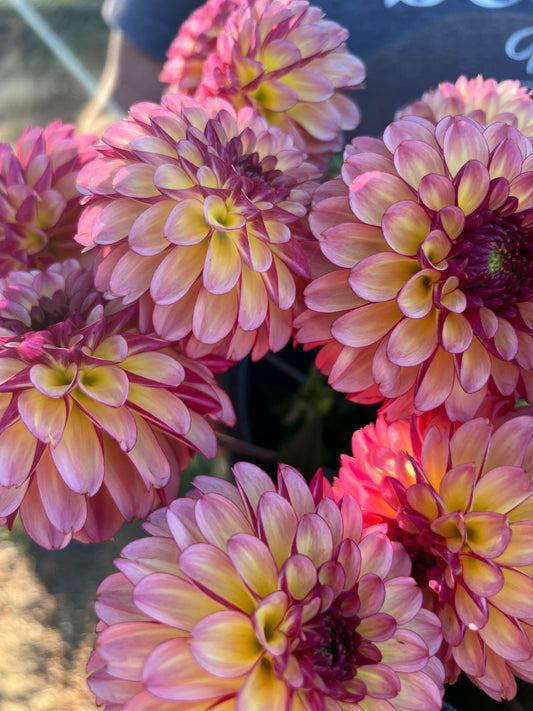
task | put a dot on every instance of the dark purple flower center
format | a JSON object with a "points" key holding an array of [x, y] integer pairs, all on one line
{"points": [[71, 303], [493, 259], [338, 651]]}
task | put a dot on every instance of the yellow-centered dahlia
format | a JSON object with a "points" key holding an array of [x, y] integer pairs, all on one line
{"points": [[430, 295], [485, 100], [259, 598], [460, 499], [201, 216], [39, 203], [290, 63], [96, 420]]}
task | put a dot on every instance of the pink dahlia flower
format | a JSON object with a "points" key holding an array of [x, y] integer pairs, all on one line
{"points": [[430, 294], [256, 597], [202, 217], [96, 422], [195, 41], [285, 59], [460, 499], [485, 100], [39, 202]]}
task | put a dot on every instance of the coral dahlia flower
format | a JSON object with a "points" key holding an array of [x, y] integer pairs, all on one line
{"points": [[203, 216], [485, 100], [195, 41], [460, 499], [289, 62], [39, 202], [255, 597], [96, 422], [430, 295]]}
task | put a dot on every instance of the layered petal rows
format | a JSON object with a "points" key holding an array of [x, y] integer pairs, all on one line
{"points": [[429, 297], [39, 203], [460, 499], [279, 56], [96, 421], [485, 100], [255, 597], [195, 41], [200, 217]]}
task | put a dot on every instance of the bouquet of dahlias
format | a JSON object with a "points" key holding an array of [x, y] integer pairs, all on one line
{"points": [[145, 273]]}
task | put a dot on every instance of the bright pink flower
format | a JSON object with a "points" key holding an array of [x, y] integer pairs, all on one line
{"points": [[485, 100], [460, 499], [96, 421], [290, 63], [195, 41], [256, 598], [39, 202], [430, 293], [203, 218]]}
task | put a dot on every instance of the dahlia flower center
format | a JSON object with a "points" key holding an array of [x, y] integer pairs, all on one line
{"points": [[50, 311], [494, 257], [428, 552], [70, 303], [258, 172], [339, 650], [46, 312]]}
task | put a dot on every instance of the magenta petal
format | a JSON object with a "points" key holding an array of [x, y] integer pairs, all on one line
{"points": [[219, 519], [36, 523], [173, 601], [222, 264], [17, 452], [65, 509], [475, 367], [146, 234], [170, 672], [125, 646], [277, 524], [437, 381], [381, 276], [113, 222], [254, 563], [373, 192], [463, 141], [212, 571], [177, 271], [252, 483], [413, 341], [415, 159], [214, 315], [367, 324]]}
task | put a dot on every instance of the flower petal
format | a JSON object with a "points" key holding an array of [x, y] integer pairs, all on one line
{"points": [[372, 193], [225, 644], [173, 601], [78, 455]]}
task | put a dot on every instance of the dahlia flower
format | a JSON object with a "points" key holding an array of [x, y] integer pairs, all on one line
{"points": [[485, 100], [430, 293], [460, 499], [97, 421], [39, 203], [195, 41], [255, 597], [202, 217], [285, 59]]}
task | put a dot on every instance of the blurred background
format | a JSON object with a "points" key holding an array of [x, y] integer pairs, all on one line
{"points": [[46, 598], [52, 53]]}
